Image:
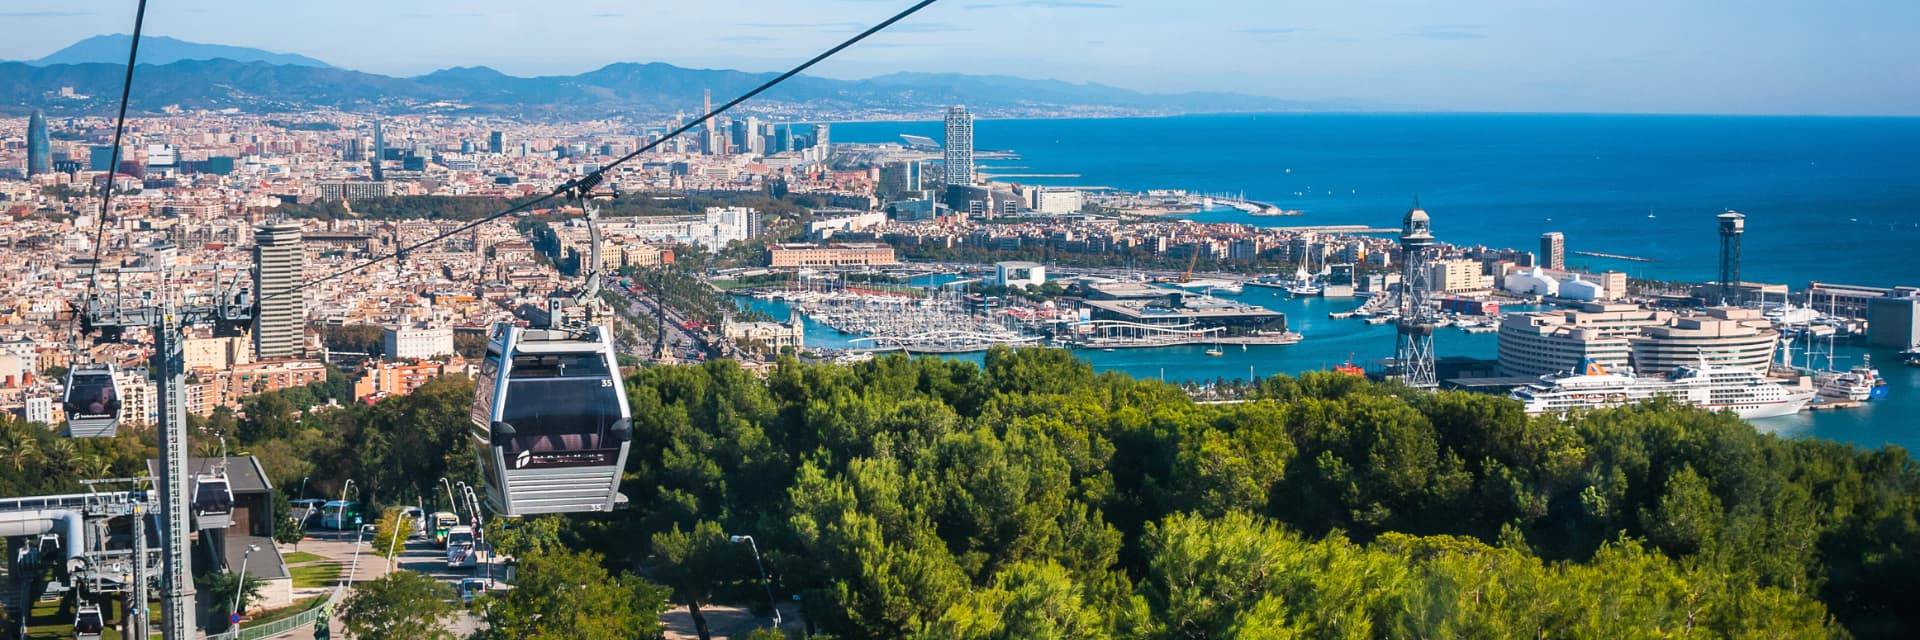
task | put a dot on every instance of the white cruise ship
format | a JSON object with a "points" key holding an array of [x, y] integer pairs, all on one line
{"points": [[1735, 389]]}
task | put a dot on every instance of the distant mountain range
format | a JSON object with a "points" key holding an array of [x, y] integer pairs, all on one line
{"points": [[162, 50], [201, 76]]}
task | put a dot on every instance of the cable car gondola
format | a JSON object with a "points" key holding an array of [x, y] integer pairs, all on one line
{"points": [[550, 421], [88, 624], [92, 402], [212, 501]]}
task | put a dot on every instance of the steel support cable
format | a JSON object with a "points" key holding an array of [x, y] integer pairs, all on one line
{"points": [[106, 194], [579, 187]]}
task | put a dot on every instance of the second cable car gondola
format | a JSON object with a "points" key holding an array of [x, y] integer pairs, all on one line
{"points": [[88, 624], [92, 401], [550, 421], [212, 500]]}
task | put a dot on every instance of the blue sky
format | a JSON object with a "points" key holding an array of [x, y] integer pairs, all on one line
{"points": [[1658, 56]]}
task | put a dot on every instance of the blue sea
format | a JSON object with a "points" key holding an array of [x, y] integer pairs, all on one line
{"points": [[1831, 199], [1827, 199]]}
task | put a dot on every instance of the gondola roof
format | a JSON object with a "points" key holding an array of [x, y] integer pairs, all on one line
{"points": [[244, 474]]}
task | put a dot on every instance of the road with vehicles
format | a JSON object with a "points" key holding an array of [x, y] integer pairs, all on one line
{"points": [[683, 344]]}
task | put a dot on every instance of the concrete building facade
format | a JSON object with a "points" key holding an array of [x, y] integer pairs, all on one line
{"points": [[416, 341], [865, 254], [1622, 335], [1542, 343], [279, 325], [1553, 251]]}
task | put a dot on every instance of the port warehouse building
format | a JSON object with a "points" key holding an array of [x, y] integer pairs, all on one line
{"points": [[1621, 335], [861, 254]]}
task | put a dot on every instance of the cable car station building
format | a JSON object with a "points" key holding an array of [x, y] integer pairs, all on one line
{"points": [[220, 549]]}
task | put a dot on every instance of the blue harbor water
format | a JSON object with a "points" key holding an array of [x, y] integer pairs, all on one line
{"points": [[1828, 199], [1831, 199]]}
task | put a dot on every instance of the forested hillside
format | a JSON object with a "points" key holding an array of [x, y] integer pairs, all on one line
{"points": [[1033, 498]]}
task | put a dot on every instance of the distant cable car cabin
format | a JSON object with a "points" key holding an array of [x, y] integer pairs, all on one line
{"points": [[92, 402], [550, 421]]}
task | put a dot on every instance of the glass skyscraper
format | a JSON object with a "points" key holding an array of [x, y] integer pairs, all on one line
{"points": [[959, 152], [379, 151], [39, 148]]}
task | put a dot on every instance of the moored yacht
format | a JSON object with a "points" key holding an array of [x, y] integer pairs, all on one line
{"points": [[1860, 383]]}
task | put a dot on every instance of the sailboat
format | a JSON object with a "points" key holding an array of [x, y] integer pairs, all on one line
{"points": [[1303, 285], [1859, 383]]}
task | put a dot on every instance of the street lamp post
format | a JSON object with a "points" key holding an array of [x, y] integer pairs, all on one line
{"points": [[354, 569], [764, 580], [240, 585], [340, 518], [480, 533], [459, 492], [399, 524]]}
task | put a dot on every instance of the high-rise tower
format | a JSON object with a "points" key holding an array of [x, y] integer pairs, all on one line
{"points": [[39, 148], [1733, 224], [959, 152], [1413, 343], [1553, 251], [379, 151], [497, 142], [279, 325], [706, 106]]}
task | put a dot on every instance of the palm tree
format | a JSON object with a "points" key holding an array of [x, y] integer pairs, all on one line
{"points": [[17, 446], [96, 465], [220, 586], [61, 458]]}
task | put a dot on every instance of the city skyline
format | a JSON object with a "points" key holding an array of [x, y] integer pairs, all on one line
{"points": [[1641, 57], [409, 294]]}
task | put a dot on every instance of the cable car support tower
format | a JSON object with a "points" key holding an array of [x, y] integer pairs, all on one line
{"points": [[167, 322], [1413, 343]]}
